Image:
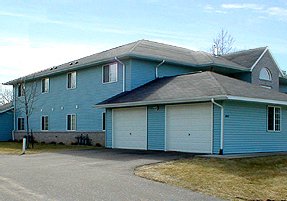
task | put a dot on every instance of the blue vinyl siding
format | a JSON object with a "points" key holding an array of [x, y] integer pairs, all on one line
{"points": [[283, 88], [216, 128], [81, 101], [109, 128], [6, 125], [140, 72], [156, 128], [245, 129]]}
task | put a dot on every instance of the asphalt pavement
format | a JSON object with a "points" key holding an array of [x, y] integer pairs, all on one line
{"points": [[86, 175]]}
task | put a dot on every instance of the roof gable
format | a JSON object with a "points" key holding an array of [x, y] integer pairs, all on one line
{"points": [[247, 58]]}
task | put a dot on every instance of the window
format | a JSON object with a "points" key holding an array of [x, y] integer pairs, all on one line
{"points": [[44, 123], [274, 118], [104, 121], [110, 73], [20, 90], [265, 74], [71, 122], [45, 85], [72, 80], [21, 124]]}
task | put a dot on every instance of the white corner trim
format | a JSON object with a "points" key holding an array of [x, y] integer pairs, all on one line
{"points": [[258, 100], [256, 62]]}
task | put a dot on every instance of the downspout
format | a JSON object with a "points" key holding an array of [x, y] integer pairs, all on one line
{"points": [[124, 73], [156, 68], [14, 111], [221, 126]]}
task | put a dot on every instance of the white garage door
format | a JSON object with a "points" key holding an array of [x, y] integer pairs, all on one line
{"points": [[130, 128], [188, 128]]}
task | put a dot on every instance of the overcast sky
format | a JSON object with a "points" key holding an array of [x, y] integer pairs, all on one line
{"points": [[39, 34]]}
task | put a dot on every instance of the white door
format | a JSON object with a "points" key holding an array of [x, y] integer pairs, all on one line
{"points": [[130, 128], [189, 128]]}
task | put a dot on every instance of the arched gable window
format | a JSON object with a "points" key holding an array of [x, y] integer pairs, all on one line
{"points": [[265, 74]]}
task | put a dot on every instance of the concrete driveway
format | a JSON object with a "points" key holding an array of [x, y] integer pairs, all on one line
{"points": [[85, 175]]}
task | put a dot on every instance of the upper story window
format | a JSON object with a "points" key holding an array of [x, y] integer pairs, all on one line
{"points": [[110, 73], [45, 85], [265, 74], [20, 90], [71, 82], [273, 118]]}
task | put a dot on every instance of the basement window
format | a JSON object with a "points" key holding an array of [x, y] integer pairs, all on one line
{"points": [[110, 72], [71, 122], [103, 121], [20, 124], [44, 123], [274, 118]]}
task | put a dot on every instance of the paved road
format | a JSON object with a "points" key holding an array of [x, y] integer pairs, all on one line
{"points": [[85, 175]]}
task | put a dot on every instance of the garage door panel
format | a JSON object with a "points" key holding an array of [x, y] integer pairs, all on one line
{"points": [[130, 128], [188, 128]]}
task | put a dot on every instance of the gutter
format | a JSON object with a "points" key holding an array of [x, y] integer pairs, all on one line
{"points": [[221, 126], [124, 73], [156, 68], [14, 111]]}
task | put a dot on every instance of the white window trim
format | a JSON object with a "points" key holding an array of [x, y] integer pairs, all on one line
{"points": [[67, 82], [103, 121], [274, 131], [41, 123], [48, 85], [18, 123], [268, 72], [67, 122], [116, 73]]}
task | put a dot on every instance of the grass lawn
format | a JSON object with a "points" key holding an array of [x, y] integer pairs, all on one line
{"points": [[16, 148], [259, 178]]}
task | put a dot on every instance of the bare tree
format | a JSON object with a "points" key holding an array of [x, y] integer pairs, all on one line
{"points": [[29, 95], [223, 43], [6, 96]]}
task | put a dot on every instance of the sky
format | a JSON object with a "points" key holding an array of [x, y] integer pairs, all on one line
{"points": [[39, 34]]}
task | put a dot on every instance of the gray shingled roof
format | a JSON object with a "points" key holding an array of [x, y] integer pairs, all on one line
{"points": [[6, 107], [141, 49], [193, 87], [246, 57]]}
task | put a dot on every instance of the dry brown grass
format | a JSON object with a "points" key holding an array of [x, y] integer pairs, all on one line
{"points": [[16, 148], [233, 179]]}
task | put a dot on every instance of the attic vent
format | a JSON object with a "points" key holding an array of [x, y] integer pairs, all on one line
{"points": [[55, 67]]}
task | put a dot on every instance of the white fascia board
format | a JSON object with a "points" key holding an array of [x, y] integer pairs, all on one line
{"points": [[6, 110], [256, 62], [257, 100], [164, 102]]}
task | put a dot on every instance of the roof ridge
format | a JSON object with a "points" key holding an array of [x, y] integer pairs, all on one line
{"points": [[135, 45], [240, 51], [222, 88]]}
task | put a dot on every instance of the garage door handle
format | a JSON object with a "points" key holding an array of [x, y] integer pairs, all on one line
{"points": [[130, 133], [188, 134]]}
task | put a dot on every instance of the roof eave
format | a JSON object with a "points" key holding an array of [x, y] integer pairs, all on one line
{"points": [[156, 102]]}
